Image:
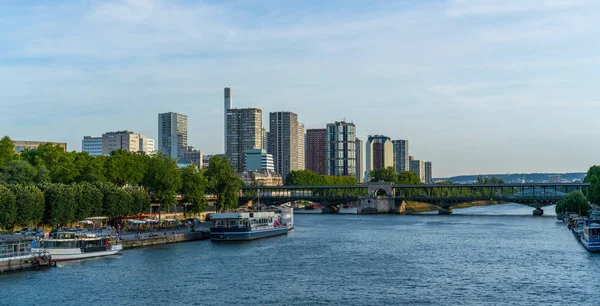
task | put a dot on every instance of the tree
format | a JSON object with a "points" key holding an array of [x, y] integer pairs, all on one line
{"points": [[19, 172], [162, 179], [61, 164], [29, 204], [89, 199], [303, 178], [90, 168], [116, 202], [383, 174], [124, 168], [574, 201], [140, 200], [60, 204], [8, 208], [7, 150], [193, 188], [408, 178], [223, 182], [593, 177]]}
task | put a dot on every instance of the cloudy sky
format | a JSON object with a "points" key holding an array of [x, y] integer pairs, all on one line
{"points": [[476, 86]]}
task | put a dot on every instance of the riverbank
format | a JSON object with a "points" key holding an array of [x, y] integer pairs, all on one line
{"points": [[159, 238], [418, 207]]}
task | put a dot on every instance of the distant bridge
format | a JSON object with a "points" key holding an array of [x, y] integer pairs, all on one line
{"points": [[531, 194]]}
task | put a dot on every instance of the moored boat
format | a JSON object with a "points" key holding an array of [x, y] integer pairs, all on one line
{"points": [[16, 253], [65, 246], [348, 209], [311, 209], [591, 237], [250, 225]]}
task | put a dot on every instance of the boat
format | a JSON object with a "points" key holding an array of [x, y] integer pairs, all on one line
{"points": [[348, 209], [311, 209], [591, 237], [576, 226], [16, 253], [243, 226], [65, 246]]}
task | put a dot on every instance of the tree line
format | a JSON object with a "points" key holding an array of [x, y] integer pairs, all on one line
{"points": [[50, 186]]}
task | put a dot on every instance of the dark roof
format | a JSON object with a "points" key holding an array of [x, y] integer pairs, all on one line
{"points": [[12, 238]]}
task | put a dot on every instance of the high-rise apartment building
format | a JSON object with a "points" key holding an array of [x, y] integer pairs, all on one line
{"points": [[341, 149], [227, 105], [258, 159], [428, 178], [92, 145], [418, 167], [380, 153], [244, 132], [172, 134], [401, 161], [360, 164], [316, 150], [301, 147], [283, 139], [146, 145], [264, 138]]}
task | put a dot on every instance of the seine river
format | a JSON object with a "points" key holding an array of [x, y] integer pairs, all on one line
{"points": [[481, 255]]}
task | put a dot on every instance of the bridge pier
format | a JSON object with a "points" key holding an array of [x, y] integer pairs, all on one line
{"points": [[538, 212], [445, 211]]}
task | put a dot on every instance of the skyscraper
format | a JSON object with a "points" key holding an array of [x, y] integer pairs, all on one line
{"points": [[172, 134], [301, 161], [428, 178], [244, 132], [341, 149], [401, 162], [283, 139], [418, 167], [360, 164], [380, 153], [264, 138], [316, 150], [227, 105]]}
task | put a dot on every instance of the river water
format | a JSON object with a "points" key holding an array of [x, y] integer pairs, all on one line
{"points": [[481, 255]]}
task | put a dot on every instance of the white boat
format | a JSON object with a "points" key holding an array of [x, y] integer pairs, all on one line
{"points": [[591, 237], [251, 225], [16, 253], [68, 246], [310, 209], [348, 209]]}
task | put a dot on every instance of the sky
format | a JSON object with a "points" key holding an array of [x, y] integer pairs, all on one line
{"points": [[475, 86]]}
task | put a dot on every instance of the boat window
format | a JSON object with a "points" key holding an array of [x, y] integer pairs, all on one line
{"points": [[233, 223]]}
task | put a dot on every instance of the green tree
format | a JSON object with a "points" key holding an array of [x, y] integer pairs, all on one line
{"points": [[61, 164], [408, 178], [30, 205], [116, 201], [140, 200], [304, 178], [60, 204], [124, 168], [162, 179], [90, 168], [7, 150], [223, 182], [89, 199], [8, 208], [383, 174], [19, 172], [574, 202], [593, 177], [193, 188]]}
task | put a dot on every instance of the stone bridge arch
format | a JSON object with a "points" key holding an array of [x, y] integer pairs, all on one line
{"points": [[372, 188]]}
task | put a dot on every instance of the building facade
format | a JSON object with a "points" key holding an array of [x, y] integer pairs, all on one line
{"points": [[360, 164], [244, 132], [261, 178], [92, 145], [258, 159], [227, 105], [121, 140], [22, 145], [401, 161], [428, 177], [283, 139], [418, 168], [301, 161], [380, 153], [193, 156], [172, 134], [146, 145], [316, 150], [341, 149]]}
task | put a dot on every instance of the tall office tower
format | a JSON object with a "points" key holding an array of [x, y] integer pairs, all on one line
{"points": [[263, 135], [401, 161], [92, 145], [316, 150], [258, 159], [418, 167], [283, 142], [360, 164], [380, 153], [428, 178], [121, 140], [172, 134], [227, 105], [341, 149], [301, 161], [244, 132]]}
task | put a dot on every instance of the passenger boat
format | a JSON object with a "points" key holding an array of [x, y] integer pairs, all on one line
{"points": [[591, 237], [16, 253], [65, 246], [251, 225], [348, 209]]}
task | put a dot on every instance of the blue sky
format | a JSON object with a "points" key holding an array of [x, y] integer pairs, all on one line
{"points": [[476, 86]]}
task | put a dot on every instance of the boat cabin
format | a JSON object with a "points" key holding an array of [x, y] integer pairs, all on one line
{"points": [[244, 220], [592, 232], [12, 246]]}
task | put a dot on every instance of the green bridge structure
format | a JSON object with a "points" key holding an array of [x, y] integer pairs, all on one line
{"points": [[383, 197]]}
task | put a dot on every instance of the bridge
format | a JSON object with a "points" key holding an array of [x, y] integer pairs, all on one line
{"points": [[445, 196]]}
